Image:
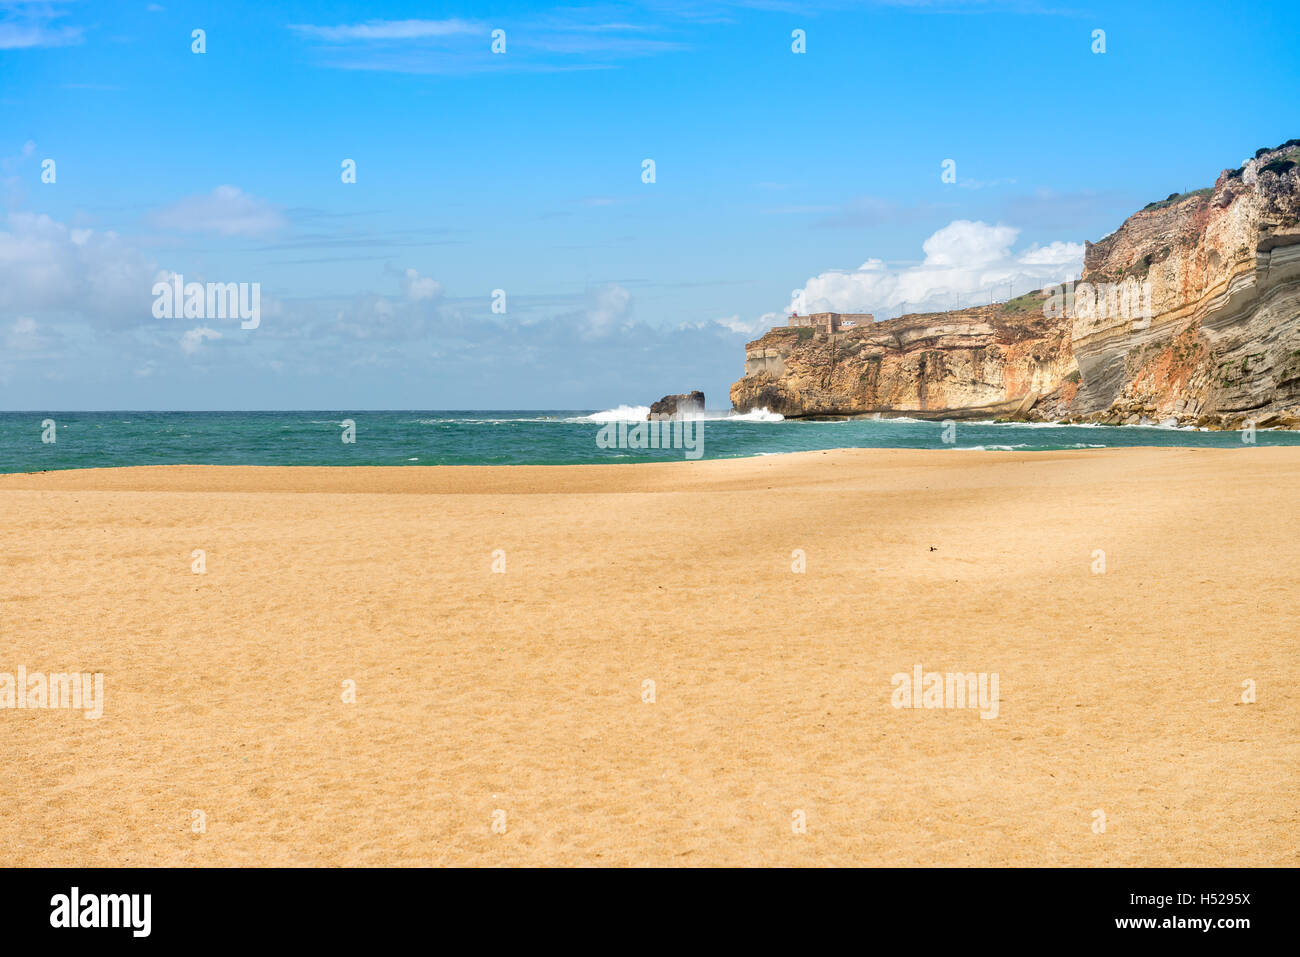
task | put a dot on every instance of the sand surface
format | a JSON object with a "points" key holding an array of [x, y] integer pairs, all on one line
{"points": [[522, 691]]}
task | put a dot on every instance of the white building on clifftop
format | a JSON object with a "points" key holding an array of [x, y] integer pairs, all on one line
{"points": [[831, 321]]}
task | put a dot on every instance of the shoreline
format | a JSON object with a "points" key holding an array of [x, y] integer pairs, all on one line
{"points": [[152, 475], [757, 456]]}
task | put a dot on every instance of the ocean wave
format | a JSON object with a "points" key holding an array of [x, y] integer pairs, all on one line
{"points": [[898, 420], [754, 415], [1168, 425], [479, 421], [624, 413], [1028, 445]]}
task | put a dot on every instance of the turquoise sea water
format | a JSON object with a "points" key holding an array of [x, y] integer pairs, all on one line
{"points": [[101, 439]]}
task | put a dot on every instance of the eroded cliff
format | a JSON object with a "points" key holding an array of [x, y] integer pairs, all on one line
{"points": [[1216, 341], [974, 362]]}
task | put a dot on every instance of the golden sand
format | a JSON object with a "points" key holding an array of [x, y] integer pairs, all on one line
{"points": [[523, 691]]}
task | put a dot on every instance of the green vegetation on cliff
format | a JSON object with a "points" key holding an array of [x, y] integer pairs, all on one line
{"points": [[1178, 198]]}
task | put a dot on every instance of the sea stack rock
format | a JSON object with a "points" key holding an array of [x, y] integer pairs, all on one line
{"points": [[677, 406]]}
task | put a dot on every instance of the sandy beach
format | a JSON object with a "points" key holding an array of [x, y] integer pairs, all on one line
{"points": [[524, 691]]}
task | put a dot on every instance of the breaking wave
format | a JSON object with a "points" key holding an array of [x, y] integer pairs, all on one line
{"points": [[754, 415], [624, 413]]}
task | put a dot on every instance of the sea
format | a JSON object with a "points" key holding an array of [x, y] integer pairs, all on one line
{"points": [[38, 441]]}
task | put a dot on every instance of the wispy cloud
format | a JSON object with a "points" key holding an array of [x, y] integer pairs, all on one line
{"points": [[29, 25], [388, 30], [1075, 210], [950, 7], [574, 39], [26, 335], [866, 211], [354, 239], [226, 211], [985, 183]]}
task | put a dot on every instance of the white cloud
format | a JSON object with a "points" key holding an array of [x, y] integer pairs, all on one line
{"points": [[964, 262], [966, 244], [1053, 254], [753, 328], [44, 265], [227, 211], [193, 338], [609, 307], [419, 287], [25, 335]]}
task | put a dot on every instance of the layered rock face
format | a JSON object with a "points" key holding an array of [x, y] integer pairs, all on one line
{"points": [[987, 361], [1214, 339], [1223, 343]]}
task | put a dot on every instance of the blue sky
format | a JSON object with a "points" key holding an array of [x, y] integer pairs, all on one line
{"points": [[522, 171]]}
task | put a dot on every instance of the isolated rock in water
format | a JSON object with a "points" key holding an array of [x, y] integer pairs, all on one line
{"points": [[678, 406]]}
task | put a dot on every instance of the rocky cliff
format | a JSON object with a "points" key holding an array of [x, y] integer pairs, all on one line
{"points": [[1190, 311]]}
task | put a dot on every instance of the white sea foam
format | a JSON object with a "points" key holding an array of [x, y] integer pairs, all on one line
{"points": [[754, 415], [624, 413], [1024, 445], [1168, 425], [476, 421], [639, 413], [897, 420]]}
